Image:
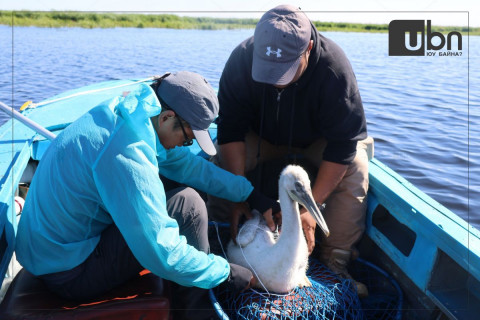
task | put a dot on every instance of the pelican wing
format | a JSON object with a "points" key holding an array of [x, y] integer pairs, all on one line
{"points": [[248, 231]]}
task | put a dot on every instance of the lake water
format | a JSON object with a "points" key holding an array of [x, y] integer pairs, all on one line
{"points": [[424, 112]]}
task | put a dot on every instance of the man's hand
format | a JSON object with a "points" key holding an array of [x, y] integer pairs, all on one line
{"points": [[265, 205], [308, 224], [253, 282], [242, 208], [268, 216], [239, 279], [238, 210]]}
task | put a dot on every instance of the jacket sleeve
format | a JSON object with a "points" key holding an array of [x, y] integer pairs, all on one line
{"points": [[342, 117], [236, 112], [183, 166], [126, 175], [344, 125]]}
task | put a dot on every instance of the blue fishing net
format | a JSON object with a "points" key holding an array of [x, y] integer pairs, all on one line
{"points": [[330, 297]]}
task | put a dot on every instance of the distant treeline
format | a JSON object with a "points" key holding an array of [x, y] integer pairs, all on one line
{"points": [[56, 19]]}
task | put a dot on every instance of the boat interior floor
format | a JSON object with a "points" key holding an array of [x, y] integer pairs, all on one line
{"points": [[144, 297]]}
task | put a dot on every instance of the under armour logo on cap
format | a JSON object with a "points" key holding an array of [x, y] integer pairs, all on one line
{"points": [[278, 52]]}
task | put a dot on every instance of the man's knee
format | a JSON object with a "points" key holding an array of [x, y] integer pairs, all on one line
{"points": [[188, 203], [187, 207], [368, 145], [355, 181]]}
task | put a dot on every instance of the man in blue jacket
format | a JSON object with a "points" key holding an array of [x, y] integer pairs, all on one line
{"points": [[289, 94], [97, 212]]}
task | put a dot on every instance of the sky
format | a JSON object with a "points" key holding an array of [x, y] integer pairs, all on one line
{"points": [[441, 12]]}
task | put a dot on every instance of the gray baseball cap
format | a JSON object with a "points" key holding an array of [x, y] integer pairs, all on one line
{"points": [[281, 36], [195, 101]]}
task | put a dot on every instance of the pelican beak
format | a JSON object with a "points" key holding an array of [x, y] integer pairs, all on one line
{"points": [[305, 198]]}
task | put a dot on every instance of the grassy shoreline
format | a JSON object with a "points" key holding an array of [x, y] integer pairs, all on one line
{"points": [[58, 19]]}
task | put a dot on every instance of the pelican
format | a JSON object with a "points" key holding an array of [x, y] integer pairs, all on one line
{"points": [[279, 264]]}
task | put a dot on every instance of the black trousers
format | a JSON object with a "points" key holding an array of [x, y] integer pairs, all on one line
{"points": [[112, 263]]}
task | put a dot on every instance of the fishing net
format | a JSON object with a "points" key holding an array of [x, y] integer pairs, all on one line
{"points": [[329, 297]]}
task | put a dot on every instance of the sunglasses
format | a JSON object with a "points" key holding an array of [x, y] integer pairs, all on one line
{"points": [[187, 142]]}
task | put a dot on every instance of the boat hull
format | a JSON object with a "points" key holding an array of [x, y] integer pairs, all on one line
{"points": [[433, 254]]}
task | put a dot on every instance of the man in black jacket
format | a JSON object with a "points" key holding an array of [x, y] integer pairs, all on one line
{"points": [[290, 93]]}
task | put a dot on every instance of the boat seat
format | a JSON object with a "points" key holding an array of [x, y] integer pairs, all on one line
{"points": [[143, 297]]}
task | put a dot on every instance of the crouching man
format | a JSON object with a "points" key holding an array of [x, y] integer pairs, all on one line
{"points": [[97, 212]]}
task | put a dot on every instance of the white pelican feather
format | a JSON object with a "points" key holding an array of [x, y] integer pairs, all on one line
{"points": [[279, 264]]}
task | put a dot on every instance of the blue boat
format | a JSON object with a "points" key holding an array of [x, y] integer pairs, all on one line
{"points": [[430, 254]]}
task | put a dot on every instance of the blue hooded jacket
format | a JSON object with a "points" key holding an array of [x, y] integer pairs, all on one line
{"points": [[103, 169]]}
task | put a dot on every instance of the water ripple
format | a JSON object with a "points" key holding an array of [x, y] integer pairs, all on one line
{"points": [[425, 124]]}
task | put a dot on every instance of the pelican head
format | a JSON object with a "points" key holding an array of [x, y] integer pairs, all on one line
{"points": [[297, 184]]}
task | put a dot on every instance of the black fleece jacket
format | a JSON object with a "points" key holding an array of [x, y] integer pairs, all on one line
{"points": [[324, 102]]}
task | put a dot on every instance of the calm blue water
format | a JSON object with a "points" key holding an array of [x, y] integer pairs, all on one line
{"points": [[422, 111]]}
